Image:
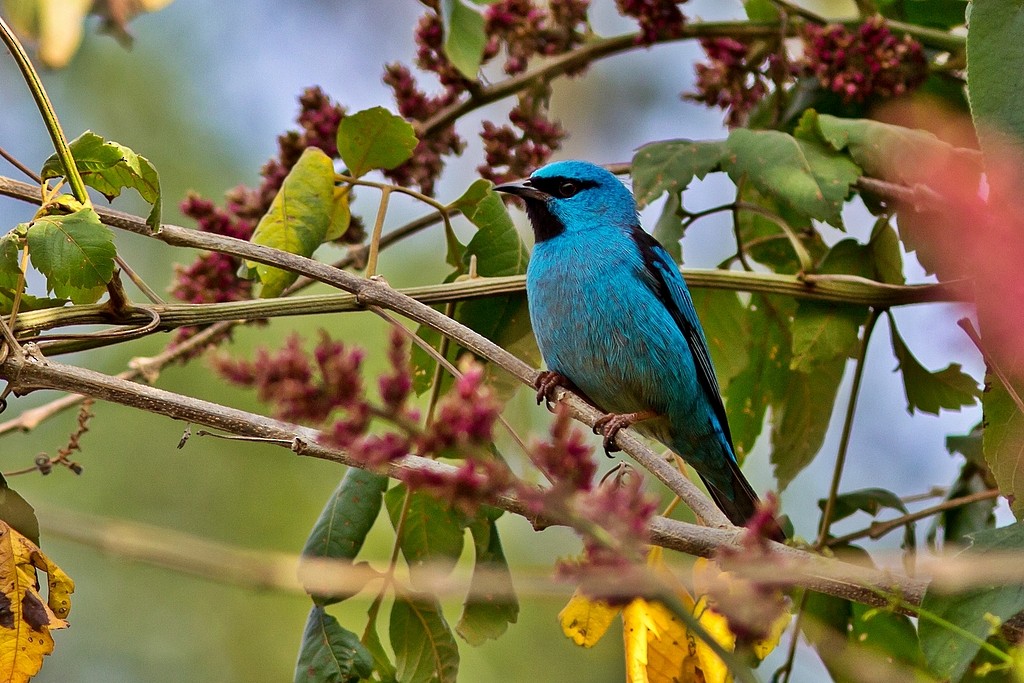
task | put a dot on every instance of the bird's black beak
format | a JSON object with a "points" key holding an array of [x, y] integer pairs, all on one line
{"points": [[522, 188]]}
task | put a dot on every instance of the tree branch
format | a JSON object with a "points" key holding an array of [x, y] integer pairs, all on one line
{"points": [[28, 372]]}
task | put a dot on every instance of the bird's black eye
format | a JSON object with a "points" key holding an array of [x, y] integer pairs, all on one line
{"points": [[567, 189]]}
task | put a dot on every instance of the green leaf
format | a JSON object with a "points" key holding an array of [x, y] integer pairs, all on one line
{"points": [[941, 14], [374, 139], [341, 213], [672, 165], [995, 51], [425, 649], [871, 501], [1003, 440], [498, 250], [947, 652], [486, 615], [75, 252], [18, 513], [382, 665], [109, 167], [960, 522], [298, 219], [330, 653], [884, 251], [761, 10], [881, 149], [765, 242], [766, 374], [432, 535], [808, 177], [10, 262], [823, 333], [826, 332], [928, 392], [886, 632], [341, 529], [464, 36], [669, 228], [801, 416], [726, 325]]}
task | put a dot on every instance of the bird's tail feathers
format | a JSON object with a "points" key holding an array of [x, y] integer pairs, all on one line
{"points": [[741, 503]]}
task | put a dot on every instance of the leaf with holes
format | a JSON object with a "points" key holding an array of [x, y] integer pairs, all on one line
{"points": [[374, 139], [25, 619], [75, 252], [108, 167]]}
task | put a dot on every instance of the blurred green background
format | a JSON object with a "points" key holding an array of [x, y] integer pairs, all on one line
{"points": [[203, 94]]}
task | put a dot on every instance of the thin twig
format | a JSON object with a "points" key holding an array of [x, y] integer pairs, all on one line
{"points": [[878, 529], [844, 440], [13, 161]]}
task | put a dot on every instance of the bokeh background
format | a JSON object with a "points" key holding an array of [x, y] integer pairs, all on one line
{"points": [[203, 94]]}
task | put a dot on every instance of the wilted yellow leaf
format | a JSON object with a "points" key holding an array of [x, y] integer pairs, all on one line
{"points": [[25, 620], [585, 620], [717, 626], [656, 643]]}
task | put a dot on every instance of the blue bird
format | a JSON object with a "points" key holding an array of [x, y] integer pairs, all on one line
{"points": [[614, 320]]}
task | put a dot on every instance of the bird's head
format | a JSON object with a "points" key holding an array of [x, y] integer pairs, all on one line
{"points": [[573, 196]]}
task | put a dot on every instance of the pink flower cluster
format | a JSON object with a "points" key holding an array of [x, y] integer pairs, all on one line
{"points": [[659, 19], [729, 80], [860, 64], [519, 29], [868, 62]]}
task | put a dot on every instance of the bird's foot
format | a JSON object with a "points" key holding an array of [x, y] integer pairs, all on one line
{"points": [[547, 382], [609, 426]]}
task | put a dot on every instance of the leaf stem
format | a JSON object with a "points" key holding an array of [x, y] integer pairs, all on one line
{"points": [[378, 228], [35, 85], [844, 440]]}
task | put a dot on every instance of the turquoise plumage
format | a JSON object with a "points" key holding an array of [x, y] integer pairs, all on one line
{"points": [[613, 316]]}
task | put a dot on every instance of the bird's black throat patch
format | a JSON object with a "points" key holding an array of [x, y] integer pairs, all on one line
{"points": [[545, 224]]}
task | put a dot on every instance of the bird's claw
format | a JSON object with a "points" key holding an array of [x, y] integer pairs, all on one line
{"points": [[609, 426], [547, 382]]}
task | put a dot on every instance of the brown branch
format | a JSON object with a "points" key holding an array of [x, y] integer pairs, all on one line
{"points": [[377, 292], [605, 47], [29, 372]]}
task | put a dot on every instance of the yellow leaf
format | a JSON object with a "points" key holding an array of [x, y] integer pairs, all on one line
{"points": [[585, 620], [763, 647], [25, 620], [717, 626], [656, 644]]}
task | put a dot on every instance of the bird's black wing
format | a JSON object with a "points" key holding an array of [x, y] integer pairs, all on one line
{"points": [[670, 288]]}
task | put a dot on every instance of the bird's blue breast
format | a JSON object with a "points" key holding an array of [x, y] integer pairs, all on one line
{"points": [[599, 322]]}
